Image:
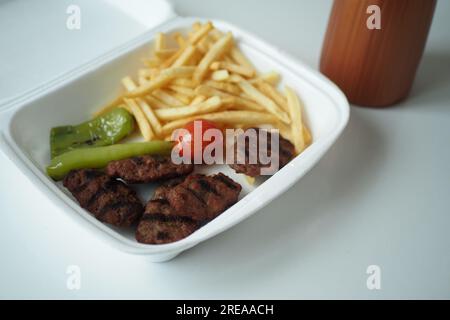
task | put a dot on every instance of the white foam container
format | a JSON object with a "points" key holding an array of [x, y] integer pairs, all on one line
{"points": [[25, 122]]}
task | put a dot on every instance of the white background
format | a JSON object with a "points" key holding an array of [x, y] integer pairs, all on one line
{"points": [[380, 196]]}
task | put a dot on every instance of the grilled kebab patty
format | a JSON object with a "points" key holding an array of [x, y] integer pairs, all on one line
{"points": [[109, 200], [285, 153], [180, 207], [144, 169]]}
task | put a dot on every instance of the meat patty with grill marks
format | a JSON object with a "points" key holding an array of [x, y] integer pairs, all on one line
{"points": [[180, 207], [144, 169], [285, 153], [109, 200]]}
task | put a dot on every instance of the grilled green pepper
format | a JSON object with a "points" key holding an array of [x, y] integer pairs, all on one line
{"points": [[101, 131], [99, 157]]}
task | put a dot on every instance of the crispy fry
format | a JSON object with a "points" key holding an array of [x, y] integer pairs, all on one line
{"points": [[160, 41], [235, 78], [183, 90], [224, 86], [164, 77], [167, 98], [182, 97], [141, 120], [248, 118], [242, 70], [156, 103], [201, 32], [152, 63], [129, 84], [234, 100], [151, 117], [145, 72], [164, 54], [193, 40], [273, 93], [295, 110], [210, 105], [266, 102], [181, 41], [197, 99], [218, 49], [271, 77], [239, 58], [307, 136], [183, 82], [220, 75], [242, 103], [185, 56]]}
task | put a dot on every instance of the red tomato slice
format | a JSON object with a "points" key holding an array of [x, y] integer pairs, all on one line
{"points": [[189, 139]]}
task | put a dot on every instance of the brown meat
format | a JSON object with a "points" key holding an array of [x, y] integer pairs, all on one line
{"points": [[180, 207], [285, 153], [146, 169], [160, 224], [109, 200]]}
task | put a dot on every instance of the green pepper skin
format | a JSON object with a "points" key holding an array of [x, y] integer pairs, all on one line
{"points": [[99, 157], [101, 131]]}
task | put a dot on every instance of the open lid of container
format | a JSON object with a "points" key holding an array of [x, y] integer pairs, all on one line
{"points": [[42, 40]]}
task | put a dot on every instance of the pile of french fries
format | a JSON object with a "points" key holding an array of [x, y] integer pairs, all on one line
{"points": [[206, 76]]}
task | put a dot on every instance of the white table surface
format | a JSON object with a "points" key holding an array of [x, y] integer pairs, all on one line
{"points": [[380, 196]]}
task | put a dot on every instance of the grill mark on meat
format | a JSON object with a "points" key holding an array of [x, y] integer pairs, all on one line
{"points": [[165, 218], [284, 154], [108, 200], [207, 187], [144, 169], [117, 204], [96, 195], [178, 208], [196, 194], [108, 186], [88, 175]]}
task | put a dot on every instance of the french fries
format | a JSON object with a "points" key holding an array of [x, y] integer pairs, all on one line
{"points": [[267, 103], [224, 86], [151, 117], [220, 75], [162, 79], [167, 98], [142, 122], [210, 105], [218, 49], [235, 100], [247, 118], [185, 56], [295, 111], [271, 77], [165, 53], [242, 70], [273, 93], [204, 75], [156, 103], [160, 41]]}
